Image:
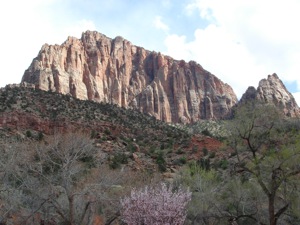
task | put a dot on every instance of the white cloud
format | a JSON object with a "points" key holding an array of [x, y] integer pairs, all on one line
{"points": [[20, 28], [223, 56], [297, 97], [245, 41], [159, 24], [83, 25], [74, 29], [177, 47], [26, 28]]}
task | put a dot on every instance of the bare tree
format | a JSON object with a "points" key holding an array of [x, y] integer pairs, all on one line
{"points": [[62, 179], [12, 163], [68, 180], [65, 179]]}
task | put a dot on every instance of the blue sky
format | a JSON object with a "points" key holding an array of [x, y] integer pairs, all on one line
{"points": [[240, 42]]}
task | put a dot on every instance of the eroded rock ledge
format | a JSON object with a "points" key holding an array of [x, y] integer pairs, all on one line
{"points": [[102, 69]]}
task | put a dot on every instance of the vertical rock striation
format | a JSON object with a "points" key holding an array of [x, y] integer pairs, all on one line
{"points": [[273, 91], [102, 69]]}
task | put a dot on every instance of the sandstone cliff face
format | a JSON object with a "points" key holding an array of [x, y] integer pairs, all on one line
{"points": [[273, 91], [101, 69]]}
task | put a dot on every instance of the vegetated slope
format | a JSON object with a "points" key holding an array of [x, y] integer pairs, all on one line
{"points": [[33, 113], [131, 139]]}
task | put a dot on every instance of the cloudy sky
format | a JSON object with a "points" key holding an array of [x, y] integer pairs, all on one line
{"points": [[240, 42]]}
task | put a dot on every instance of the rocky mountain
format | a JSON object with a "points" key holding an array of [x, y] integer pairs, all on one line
{"points": [[114, 71], [273, 91]]}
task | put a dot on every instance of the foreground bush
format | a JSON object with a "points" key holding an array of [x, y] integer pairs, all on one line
{"points": [[155, 206]]}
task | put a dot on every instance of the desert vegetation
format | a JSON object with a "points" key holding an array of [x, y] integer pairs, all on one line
{"points": [[61, 180], [260, 182], [122, 167]]}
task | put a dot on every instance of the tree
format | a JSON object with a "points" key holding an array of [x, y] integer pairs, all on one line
{"points": [[12, 162], [267, 153], [155, 205], [218, 198], [61, 169], [205, 186], [62, 179], [70, 180]]}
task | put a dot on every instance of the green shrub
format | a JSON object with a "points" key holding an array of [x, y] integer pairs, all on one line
{"points": [[205, 151], [151, 150], [28, 134], [161, 162], [223, 164], [204, 163], [94, 134], [179, 151], [40, 136], [107, 132], [212, 155], [131, 148], [183, 160], [89, 161], [117, 160], [194, 149], [206, 132]]}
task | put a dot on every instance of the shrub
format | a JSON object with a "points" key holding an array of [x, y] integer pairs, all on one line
{"points": [[205, 151], [155, 205], [28, 134], [179, 151], [206, 132], [183, 160], [223, 164], [40, 136], [194, 149], [94, 134], [131, 147], [117, 160], [107, 132], [204, 163], [161, 162], [212, 155]]}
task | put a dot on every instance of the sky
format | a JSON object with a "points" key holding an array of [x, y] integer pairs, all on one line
{"points": [[241, 42]]}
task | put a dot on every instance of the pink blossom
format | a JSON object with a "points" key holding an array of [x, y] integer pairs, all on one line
{"points": [[155, 206]]}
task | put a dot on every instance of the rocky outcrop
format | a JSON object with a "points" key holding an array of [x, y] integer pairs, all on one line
{"points": [[273, 91], [114, 71]]}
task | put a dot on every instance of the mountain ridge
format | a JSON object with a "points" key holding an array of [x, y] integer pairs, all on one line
{"points": [[99, 68], [271, 90]]}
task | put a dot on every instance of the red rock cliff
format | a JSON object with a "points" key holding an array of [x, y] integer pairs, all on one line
{"points": [[98, 68], [273, 91]]}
